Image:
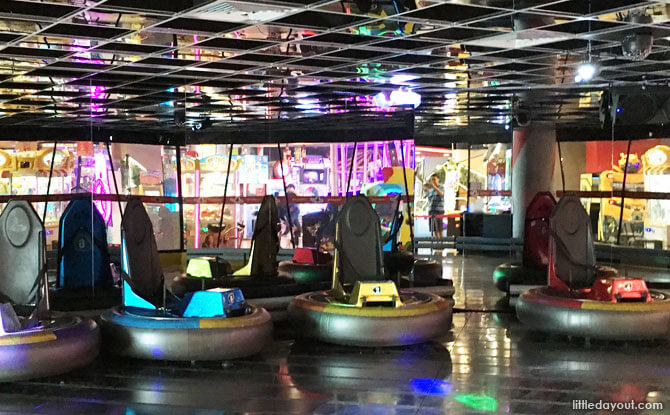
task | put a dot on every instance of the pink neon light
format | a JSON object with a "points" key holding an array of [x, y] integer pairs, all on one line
{"points": [[237, 207], [101, 187], [386, 162], [343, 154], [353, 173], [365, 163], [197, 57], [398, 149], [97, 92], [197, 209]]}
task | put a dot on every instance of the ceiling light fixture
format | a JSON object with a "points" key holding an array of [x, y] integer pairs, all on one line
{"points": [[402, 96], [586, 71]]}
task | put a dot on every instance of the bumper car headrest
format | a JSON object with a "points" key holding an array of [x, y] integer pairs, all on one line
{"points": [[140, 254], [572, 244], [266, 239], [358, 247], [21, 253]]}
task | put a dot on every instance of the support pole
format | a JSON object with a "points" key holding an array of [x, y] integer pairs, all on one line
{"points": [[225, 194], [623, 193], [351, 168], [51, 172], [180, 198], [283, 179]]}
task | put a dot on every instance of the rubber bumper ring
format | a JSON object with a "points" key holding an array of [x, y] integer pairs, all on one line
{"points": [[426, 272], [422, 318], [64, 344], [79, 299], [515, 273], [157, 337], [306, 273], [398, 262], [184, 284], [543, 310]]}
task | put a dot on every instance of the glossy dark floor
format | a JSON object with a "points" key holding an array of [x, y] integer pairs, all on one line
{"points": [[488, 364]]}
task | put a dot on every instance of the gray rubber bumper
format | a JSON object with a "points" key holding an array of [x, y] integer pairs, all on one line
{"points": [[59, 346], [423, 317], [540, 310], [148, 335]]}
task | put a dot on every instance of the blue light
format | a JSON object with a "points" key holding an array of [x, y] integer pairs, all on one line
{"points": [[618, 110], [431, 386], [157, 352]]}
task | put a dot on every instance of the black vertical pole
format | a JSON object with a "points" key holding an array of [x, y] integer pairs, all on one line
{"points": [[51, 172], [560, 160], [116, 187], [225, 194], [623, 193], [467, 197], [351, 168], [180, 198], [283, 179]]}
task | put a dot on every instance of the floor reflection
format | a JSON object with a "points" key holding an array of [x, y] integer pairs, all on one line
{"points": [[489, 363]]}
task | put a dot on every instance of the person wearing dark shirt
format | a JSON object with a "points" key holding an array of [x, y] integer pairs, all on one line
{"points": [[295, 214], [436, 206]]}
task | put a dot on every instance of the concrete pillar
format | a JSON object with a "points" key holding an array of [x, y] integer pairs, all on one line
{"points": [[534, 154]]}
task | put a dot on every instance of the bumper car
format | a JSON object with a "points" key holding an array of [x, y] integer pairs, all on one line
{"points": [[582, 301], [308, 266], [363, 308], [258, 278], [84, 275], [153, 324], [514, 278], [33, 343]]}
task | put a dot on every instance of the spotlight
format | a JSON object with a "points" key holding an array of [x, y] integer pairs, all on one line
{"points": [[585, 72], [402, 96]]}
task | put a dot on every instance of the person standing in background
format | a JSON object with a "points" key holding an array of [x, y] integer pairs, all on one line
{"points": [[295, 214], [436, 206]]}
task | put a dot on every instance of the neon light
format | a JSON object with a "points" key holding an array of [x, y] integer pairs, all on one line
{"points": [[402, 96], [97, 92], [478, 402], [398, 150], [197, 210], [101, 187], [386, 161], [430, 386]]}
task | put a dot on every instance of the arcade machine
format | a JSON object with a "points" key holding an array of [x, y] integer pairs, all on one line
{"points": [[32, 177], [84, 274], [362, 308], [154, 324], [579, 300], [33, 342]]}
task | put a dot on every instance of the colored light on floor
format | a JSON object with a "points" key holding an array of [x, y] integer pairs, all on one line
{"points": [[430, 386], [478, 402]]}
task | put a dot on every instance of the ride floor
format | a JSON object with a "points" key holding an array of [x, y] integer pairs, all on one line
{"points": [[488, 364]]}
